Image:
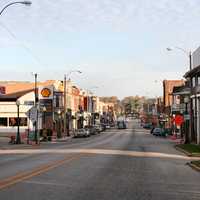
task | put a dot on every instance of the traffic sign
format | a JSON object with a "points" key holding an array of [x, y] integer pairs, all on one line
{"points": [[179, 119], [32, 114], [187, 117]]}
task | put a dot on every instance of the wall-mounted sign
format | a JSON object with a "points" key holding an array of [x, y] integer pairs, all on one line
{"points": [[47, 103], [46, 92]]}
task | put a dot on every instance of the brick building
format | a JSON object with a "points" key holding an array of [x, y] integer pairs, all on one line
{"points": [[168, 86]]}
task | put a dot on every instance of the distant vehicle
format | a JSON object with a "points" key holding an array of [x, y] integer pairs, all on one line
{"points": [[82, 133], [90, 129], [108, 126], [98, 128], [103, 125], [121, 125], [157, 132], [152, 130], [147, 126]]}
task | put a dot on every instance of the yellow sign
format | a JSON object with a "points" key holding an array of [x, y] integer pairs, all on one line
{"points": [[46, 92]]}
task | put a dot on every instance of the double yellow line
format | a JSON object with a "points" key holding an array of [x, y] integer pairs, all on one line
{"points": [[7, 182]]}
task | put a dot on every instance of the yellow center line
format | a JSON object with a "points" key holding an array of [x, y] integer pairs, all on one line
{"points": [[7, 182]]}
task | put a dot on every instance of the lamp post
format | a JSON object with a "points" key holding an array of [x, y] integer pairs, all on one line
{"points": [[26, 3], [59, 124], [36, 106], [67, 76], [18, 139], [188, 53]]}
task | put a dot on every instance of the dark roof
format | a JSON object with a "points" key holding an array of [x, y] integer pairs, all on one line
{"points": [[192, 72], [14, 96]]}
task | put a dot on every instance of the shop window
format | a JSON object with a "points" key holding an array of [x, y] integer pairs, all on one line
{"points": [[198, 80], [3, 121], [22, 121]]}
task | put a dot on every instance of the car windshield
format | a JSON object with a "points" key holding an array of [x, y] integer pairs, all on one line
{"points": [[100, 100]]}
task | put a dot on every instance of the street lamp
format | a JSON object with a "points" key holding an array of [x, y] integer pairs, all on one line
{"points": [[26, 3], [18, 139], [59, 134], [36, 105], [65, 93], [188, 53]]}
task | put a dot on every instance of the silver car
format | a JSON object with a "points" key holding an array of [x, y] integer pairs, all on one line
{"points": [[82, 133]]}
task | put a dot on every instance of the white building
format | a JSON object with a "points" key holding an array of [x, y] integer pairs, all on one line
{"points": [[9, 112]]}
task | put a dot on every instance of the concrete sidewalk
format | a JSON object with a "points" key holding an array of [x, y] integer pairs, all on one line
{"points": [[4, 143]]}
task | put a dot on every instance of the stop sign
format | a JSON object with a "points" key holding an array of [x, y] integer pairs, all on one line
{"points": [[179, 119]]}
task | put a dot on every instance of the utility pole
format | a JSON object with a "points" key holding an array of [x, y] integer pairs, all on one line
{"points": [[65, 104], [18, 140], [65, 98], [189, 134], [190, 59], [36, 106]]}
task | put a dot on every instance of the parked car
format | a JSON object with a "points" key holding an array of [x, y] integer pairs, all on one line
{"points": [[158, 132], [108, 126], [103, 126], [82, 133], [168, 131], [98, 128], [121, 125], [91, 130], [151, 131], [147, 126]]}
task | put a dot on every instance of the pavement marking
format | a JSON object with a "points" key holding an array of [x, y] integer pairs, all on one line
{"points": [[7, 182], [99, 151], [45, 183]]}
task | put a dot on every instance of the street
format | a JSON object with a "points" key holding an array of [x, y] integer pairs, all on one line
{"points": [[118, 164]]}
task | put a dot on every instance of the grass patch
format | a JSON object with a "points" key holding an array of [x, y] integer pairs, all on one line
{"points": [[190, 148], [197, 163]]}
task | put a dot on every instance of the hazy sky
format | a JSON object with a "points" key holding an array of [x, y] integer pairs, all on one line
{"points": [[120, 45]]}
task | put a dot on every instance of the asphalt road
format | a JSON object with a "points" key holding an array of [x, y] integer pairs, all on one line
{"points": [[126, 164]]}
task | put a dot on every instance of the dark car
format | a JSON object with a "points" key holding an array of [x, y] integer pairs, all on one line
{"points": [[121, 125], [91, 129], [157, 132], [98, 128], [147, 126], [152, 130]]}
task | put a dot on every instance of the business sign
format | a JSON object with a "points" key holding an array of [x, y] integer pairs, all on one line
{"points": [[46, 92], [47, 103]]}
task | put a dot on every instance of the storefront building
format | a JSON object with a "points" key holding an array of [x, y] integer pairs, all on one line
{"points": [[194, 77]]}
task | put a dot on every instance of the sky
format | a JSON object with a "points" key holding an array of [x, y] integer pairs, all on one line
{"points": [[119, 45]]}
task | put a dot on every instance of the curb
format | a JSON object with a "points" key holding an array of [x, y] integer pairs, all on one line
{"points": [[183, 151], [194, 166], [187, 153]]}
